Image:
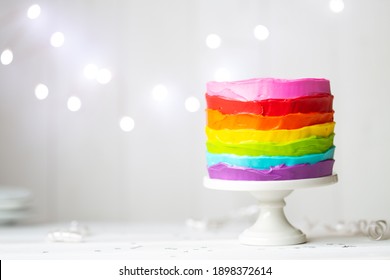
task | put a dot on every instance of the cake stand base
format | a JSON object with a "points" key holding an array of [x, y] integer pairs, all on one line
{"points": [[272, 226]]}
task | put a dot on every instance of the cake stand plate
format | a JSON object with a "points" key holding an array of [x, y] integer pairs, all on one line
{"points": [[272, 226]]}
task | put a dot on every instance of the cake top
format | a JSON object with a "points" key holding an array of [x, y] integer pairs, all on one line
{"points": [[268, 88]]}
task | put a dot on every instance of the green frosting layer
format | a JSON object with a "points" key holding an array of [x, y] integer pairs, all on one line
{"points": [[267, 162], [310, 145]]}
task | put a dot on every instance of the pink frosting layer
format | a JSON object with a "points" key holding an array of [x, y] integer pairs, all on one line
{"points": [[267, 88]]}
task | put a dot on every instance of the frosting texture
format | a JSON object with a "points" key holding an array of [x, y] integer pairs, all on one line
{"points": [[266, 162], [217, 120], [266, 88], [311, 145], [320, 103], [300, 171], [238, 136], [269, 129]]}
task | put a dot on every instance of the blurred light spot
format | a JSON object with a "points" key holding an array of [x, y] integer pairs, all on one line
{"points": [[160, 92], [126, 123], [90, 71], [222, 74], [41, 91], [74, 103], [103, 76], [57, 39], [261, 32], [213, 41], [336, 6], [34, 11], [192, 104], [7, 56]]}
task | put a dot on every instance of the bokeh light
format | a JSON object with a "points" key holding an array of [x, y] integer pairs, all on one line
{"points": [[34, 11], [213, 41], [74, 104], [7, 57], [336, 6], [103, 76], [41, 91], [160, 92], [261, 32], [57, 39], [126, 123], [90, 71], [192, 104]]}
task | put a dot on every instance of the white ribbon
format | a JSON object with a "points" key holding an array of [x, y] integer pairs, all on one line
{"points": [[75, 233]]}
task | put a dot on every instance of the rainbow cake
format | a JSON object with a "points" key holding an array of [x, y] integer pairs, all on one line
{"points": [[270, 129]]}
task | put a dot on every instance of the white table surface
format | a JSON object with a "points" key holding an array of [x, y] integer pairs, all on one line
{"points": [[176, 241]]}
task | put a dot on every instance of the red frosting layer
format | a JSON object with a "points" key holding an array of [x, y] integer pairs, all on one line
{"points": [[320, 103]]}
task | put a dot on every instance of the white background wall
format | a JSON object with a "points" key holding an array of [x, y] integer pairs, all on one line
{"points": [[81, 165]]}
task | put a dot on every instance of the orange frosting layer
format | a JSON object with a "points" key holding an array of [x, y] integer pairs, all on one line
{"points": [[217, 120]]}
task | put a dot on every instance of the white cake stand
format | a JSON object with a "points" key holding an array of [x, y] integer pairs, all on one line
{"points": [[272, 226]]}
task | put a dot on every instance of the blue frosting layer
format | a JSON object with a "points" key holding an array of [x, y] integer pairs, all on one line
{"points": [[266, 162]]}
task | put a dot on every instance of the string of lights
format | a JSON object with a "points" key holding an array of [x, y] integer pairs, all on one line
{"points": [[103, 75]]}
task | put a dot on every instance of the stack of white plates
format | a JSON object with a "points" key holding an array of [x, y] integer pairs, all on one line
{"points": [[15, 204]]}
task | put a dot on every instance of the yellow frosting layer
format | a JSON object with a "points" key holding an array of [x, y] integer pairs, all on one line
{"points": [[239, 136], [310, 145]]}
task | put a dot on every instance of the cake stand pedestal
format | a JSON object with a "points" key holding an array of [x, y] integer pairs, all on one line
{"points": [[272, 226]]}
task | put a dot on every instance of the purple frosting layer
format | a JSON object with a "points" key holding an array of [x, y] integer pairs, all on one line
{"points": [[282, 172]]}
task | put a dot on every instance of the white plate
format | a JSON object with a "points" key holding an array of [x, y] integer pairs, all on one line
{"points": [[14, 193], [12, 216], [14, 204]]}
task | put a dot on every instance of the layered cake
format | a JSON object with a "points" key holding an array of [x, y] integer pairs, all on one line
{"points": [[270, 129]]}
